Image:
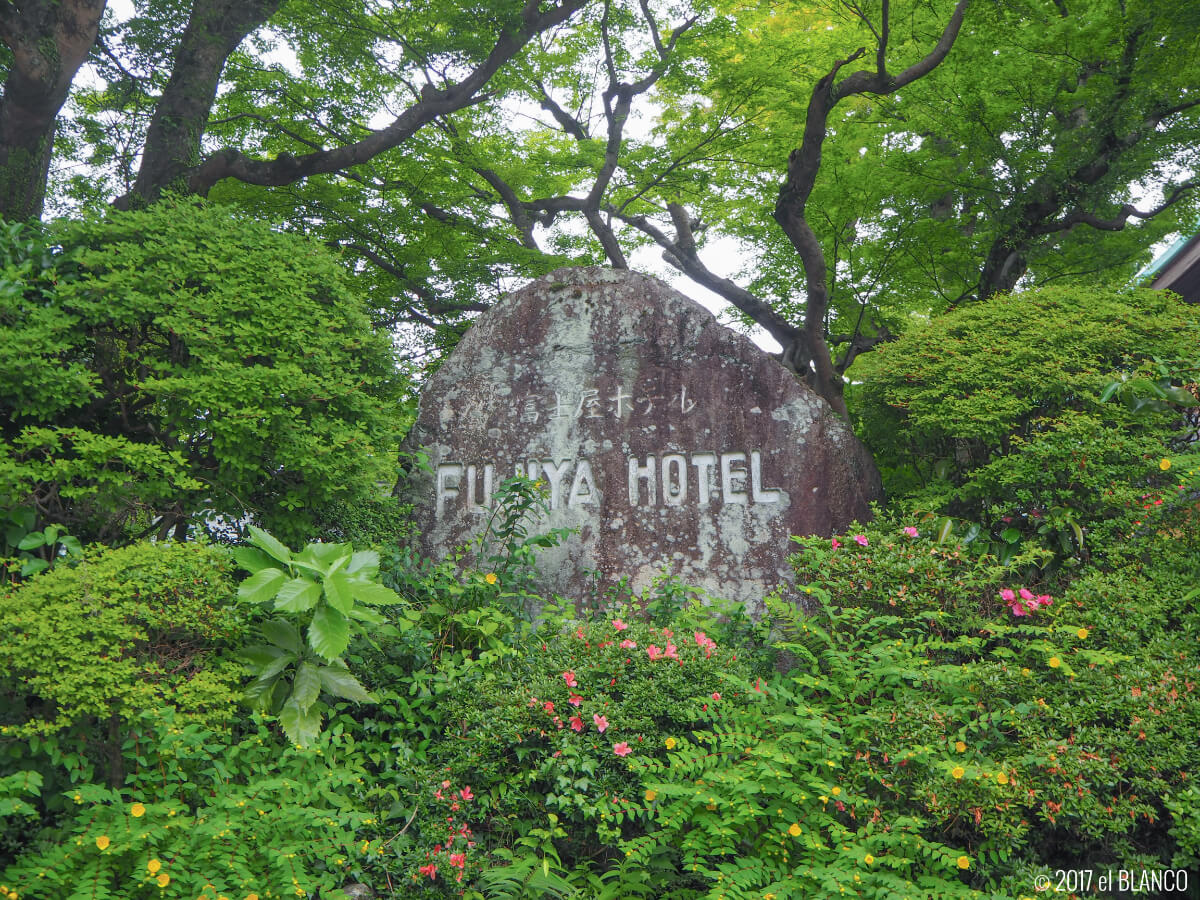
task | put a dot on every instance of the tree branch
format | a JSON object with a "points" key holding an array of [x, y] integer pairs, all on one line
{"points": [[433, 103]]}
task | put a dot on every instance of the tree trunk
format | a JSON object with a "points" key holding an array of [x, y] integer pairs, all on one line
{"points": [[49, 40], [214, 30]]}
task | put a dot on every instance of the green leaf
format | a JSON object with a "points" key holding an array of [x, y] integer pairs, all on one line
{"points": [[1010, 535], [337, 592], [300, 725], [252, 559], [282, 634], [298, 595], [307, 686], [33, 566], [373, 594], [277, 550], [329, 633], [364, 564], [325, 558], [260, 655], [1109, 390], [945, 528], [72, 546], [262, 586], [32, 541], [341, 683], [362, 614]]}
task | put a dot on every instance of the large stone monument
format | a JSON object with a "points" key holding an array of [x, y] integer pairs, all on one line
{"points": [[669, 441]]}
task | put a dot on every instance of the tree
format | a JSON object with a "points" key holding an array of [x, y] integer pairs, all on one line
{"points": [[171, 368], [875, 158], [979, 145]]}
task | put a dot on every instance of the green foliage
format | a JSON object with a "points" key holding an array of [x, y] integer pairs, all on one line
{"points": [[154, 620], [26, 551], [927, 726], [329, 591], [180, 364], [993, 413], [204, 816]]}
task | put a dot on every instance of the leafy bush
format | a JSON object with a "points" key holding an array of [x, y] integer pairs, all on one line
{"points": [[152, 620], [204, 816], [993, 413], [178, 364], [944, 732]]}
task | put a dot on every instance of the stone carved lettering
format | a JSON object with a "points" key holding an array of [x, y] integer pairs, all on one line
{"points": [[669, 479]]}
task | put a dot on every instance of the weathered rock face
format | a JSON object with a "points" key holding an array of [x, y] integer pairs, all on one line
{"points": [[669, 441]]}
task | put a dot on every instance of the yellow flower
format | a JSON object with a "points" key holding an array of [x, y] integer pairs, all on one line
{"points": [[1082, 634], [1164, 464], [102, 842], [835, 790], [960, 746], [154, 865], [794, 830], [1026, 672], [137, 810], [670, 742], [868, 859], [1054, 662], [163, 880], [651, 795], [490, 577], [252, 897], [958, 772], [1001, 778], [964, 863]]}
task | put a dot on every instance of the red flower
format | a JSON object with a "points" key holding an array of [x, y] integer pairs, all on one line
{"points": [[576, 723], [601, 722], [466, 794], [575, 700], [430, 870], [458, 860], [619, 625], [548, 706], [569, 678], [654, 652], [627, 644]]}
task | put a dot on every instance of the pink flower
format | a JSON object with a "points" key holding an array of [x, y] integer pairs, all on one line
{"points": [[861, 540], [466, 794], [619, 625], [910, 531], [445, 784], [569, 678], [548, 706], [430, 870], [1025, 593], [1044, 599], [579, 633], [835, 543], [627, 644], [716, 695], [671, 651], [601, 722], [622, 749], [575, 700], [667, 632], [1007, 595], [576, 724], [703, 640], [654, 652], [533, 701], [1017, 610]]}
